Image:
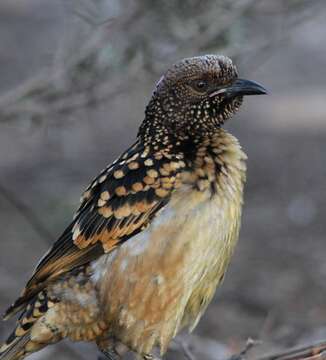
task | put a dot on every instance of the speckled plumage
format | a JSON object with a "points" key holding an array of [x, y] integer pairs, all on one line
{"points": [[155, 230]]}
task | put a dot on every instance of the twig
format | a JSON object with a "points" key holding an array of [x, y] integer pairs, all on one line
{"points": [[27, 213], [249, 345], [310, 352], [185, 349]]}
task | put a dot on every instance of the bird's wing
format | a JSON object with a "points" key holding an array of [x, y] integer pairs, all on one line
{"points": [[118, 204]]}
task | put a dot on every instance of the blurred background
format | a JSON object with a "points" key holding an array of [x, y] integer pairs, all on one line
{"points": [[75, 77]]}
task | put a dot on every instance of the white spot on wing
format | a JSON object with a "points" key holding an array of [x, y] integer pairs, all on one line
{"points": [[135, 246], [124, 264], [100, 266], [139, 243]]}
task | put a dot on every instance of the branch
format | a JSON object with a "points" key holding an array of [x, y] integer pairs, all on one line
{"points": [[28, 214], [315, 351], [82, 77], [249, 345]]}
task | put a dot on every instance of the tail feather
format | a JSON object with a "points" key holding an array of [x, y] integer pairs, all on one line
{"points": [[12, 310], [16, 349], [19, 343], [69, 309]]}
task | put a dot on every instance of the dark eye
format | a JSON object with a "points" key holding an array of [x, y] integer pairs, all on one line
{"points": [[201, 85]]}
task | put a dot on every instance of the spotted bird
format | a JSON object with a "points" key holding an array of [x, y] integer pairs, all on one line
{"points": [[155, 230]]}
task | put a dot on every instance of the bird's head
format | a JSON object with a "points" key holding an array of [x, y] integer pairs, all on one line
{"points": [[197, 95]]}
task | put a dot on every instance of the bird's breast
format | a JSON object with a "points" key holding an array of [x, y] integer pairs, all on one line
{"points": [[159, 280], [162, 279]]}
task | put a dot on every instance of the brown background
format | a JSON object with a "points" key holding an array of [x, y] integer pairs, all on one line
{"points": [[275, 289]]}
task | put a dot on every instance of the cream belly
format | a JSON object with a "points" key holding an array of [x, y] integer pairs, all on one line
{"points": [[163, 278]]}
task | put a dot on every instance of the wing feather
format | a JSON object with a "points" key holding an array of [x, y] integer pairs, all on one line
{"points": [[119, 203]]}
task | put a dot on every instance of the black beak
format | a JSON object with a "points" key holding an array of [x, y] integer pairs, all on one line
{"points": [[245, 87], [242, 87]]}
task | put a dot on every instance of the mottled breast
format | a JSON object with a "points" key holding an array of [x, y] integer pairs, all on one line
{"points": [[163, 278]]}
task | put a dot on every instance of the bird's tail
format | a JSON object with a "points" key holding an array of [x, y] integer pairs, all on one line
{"points": [[20, 343], [15, 347], [47, 317]]}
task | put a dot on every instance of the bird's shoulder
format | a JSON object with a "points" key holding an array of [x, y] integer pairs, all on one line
{"points": [[125, 195]]}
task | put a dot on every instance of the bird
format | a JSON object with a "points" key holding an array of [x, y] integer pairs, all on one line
{"points": [[155, 230]]}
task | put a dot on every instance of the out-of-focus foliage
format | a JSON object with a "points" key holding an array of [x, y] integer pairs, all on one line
{"points": [[108, 46], [75, 78]]}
